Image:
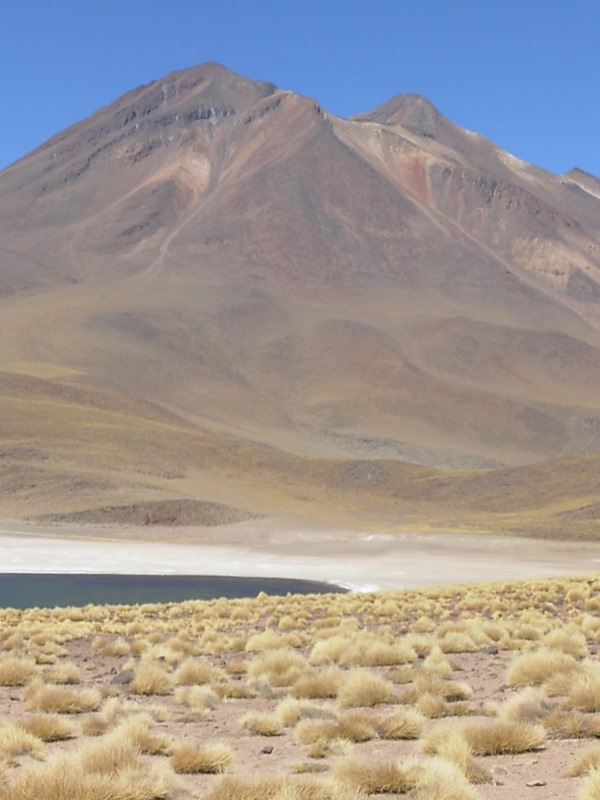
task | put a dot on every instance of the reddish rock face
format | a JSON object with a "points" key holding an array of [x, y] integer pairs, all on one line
{"points": [[223, 254]]}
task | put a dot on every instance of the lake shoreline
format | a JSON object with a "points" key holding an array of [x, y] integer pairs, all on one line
{"points": [[353, 560]]}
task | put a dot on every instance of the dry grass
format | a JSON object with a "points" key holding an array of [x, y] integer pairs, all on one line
{"points": [[590, 786], [60, 699], [406, 723], [586, 761], [151, 679], [49, 727], [193, 671], [318, 683], [15, 740], [439, 779], [533, 669], [112, 647], [262, 724], [488, 737], [310, 684], [363, 688], [199, 698], [62, 778], [15, 671], [212, 759], [385, 777], [584, 691], [279, 667]]}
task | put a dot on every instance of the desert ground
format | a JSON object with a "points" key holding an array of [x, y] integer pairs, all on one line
{"points": [[487, 687]]}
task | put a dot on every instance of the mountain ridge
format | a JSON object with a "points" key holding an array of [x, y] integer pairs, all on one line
{"points": [[295, 288]]}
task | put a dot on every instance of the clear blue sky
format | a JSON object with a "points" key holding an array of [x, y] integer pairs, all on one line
{"points": [[525, 73]]}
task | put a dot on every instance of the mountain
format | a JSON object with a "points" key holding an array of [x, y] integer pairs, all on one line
{"points": [[219, 299]]}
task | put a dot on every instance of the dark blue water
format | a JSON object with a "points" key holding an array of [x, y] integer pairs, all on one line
{"points": [[47, 591]]}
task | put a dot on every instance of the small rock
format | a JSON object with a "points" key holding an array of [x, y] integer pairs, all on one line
{"points": [[124, 677], [267, 750], [536, 783]]}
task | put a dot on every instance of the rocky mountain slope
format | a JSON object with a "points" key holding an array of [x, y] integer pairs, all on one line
{"points": [[214, 290]]}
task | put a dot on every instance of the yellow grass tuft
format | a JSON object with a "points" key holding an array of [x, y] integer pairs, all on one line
{"points": [[590, 786], [318, 683], [384, 777], [210, 759], [66, 673], [406, 723], [279, 667], [49, 727], [586, 761], [16, 671], [533, 669], [60, 699], [15, 740], [151, 679], [194, 671], [438, 779], [499, 736], [363, 688], [262, 724]]}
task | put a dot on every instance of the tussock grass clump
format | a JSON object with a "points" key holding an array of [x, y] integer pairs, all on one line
{"points": [[151, 679], [265, 640], [234, 690], [489, 737], [137, 729], [60, 699], [109, 646], [210, 759], [438, 779], [406, 723], [566, 639], [279, 667], [385, 777], [290, 711], [448, 742], [363, 688], [262, 724], [586, 761], [232, 787], [200, 698], [435, 707], [195, 671], [63, 777], [310, 731], [65, 674], [533, 669], [49, 727], [584, 691], [446, 689], [328, 651], [528, 705], [16, 671], [457, 642], [317, 684], [356, 726], [108, 755], [590, 786], [368, 650], [15, 740]]}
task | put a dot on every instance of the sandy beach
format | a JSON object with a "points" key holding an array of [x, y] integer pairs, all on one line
{"points": [[356, 561]]}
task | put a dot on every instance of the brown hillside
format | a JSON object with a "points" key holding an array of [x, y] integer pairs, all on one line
{"points": [[212, 290]]}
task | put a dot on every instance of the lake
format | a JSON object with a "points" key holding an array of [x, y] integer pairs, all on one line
{"points": [[45, 590]]}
